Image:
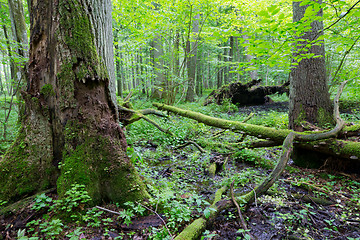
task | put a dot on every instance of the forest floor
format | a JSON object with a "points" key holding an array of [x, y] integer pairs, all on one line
{"points": [[303, 204]]}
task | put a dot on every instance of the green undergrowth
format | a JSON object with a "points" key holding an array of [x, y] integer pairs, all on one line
{"points": [[8, 127]]}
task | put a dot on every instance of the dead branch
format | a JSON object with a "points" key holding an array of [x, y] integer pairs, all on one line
{"points": [[191, 142], [242, 221], [129, 116]]}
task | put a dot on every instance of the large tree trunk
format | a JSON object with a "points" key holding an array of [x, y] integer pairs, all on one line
{"points": [[309, 95], [70, 116]]}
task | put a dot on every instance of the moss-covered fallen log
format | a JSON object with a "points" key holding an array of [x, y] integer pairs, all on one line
{"points": [[335, 147]]}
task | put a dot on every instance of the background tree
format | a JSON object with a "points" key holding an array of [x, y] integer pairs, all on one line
{"points": [[19, 32], [70, 118], [309, 93]]}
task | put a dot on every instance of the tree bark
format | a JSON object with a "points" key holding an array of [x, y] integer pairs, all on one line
{"points": [[70, 120], [309, 95], [158, 66]]}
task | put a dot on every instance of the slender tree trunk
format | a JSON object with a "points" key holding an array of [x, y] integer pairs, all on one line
{"points": [[119, 72], [118, 65], [231, 58], [2, 91], [199, 75], [219, 73], [70, 115], [18, 27], [191, 60], [309, 95], [158, 64], [253, 74], [226, 67]]}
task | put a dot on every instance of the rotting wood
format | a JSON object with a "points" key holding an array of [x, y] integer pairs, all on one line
{"points": [[245, 94]]}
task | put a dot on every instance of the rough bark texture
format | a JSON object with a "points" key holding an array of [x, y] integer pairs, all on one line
{"points": [[70, 117], [309, 95]]}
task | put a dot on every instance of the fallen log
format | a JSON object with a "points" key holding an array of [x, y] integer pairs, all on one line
{"points": [[245, 94], [335, 147]]}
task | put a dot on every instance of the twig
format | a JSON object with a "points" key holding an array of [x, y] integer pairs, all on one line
{"points": [[242, 221], [194, 143], [108, 210], [158, 217], [341, 16]]}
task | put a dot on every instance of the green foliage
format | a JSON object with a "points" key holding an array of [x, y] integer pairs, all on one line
{"points": [[75, 199], [42, 201], [134, 154], [75, 235]]}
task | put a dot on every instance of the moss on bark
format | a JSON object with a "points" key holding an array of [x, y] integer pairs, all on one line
{"points": [[27, 166], [99, 163]]}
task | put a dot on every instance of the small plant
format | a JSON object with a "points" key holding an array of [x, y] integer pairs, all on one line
{"points": [[126, 215], [75, 199], [207, 235], [21, 235], [51, 229], [75, 235], [41, 201], [2, 203], [244, 233], [92, 217], [134, 154]]}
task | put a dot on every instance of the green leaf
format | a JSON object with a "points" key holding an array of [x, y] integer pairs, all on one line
{"points": [[264, 13]]}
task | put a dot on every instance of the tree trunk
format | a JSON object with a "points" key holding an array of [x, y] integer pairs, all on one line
{"points": [[158, 66], [309, 95], [70, 116], [253, 74], [191, 60], [18, 27], [119, 67]]}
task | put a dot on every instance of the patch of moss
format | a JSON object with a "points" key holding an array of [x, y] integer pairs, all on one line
{"points": [[325, 118], [99, 163], [78, 36], [47, 90], [23, 169]]}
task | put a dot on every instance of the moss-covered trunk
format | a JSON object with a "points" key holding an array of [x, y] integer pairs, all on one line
{"points": [[70, 132]]}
